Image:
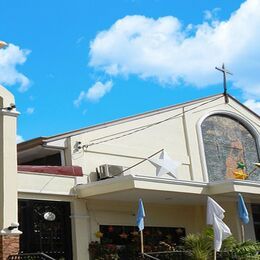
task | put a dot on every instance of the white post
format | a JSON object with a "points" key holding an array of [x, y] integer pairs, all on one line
{"points": [[242, 232], [142, 242], [215, 254], [9, 233], [8, 164]]}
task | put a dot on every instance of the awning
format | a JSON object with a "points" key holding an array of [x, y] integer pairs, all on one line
{"points": [[162, 190]]}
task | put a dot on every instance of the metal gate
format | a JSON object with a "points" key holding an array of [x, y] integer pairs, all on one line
{"points": [[46, 228]]}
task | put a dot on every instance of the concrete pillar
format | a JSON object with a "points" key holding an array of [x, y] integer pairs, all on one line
{"points": [[9, 233], [80, 229]]}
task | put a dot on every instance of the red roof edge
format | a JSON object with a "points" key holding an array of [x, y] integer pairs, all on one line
{"points": [[56, 170]]}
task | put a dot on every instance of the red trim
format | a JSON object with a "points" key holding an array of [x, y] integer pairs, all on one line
{"points": [[59, 170]]}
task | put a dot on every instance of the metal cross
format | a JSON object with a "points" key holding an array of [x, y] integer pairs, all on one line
{"points": [[225, 72]]}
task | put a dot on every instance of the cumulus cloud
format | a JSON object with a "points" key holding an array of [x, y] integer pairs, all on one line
{"points": [[165, 50], [10, 57], [94, 93], [253, 105], [211, 15], [19, 139], [98, 90], [80, 98], [30, 110]]}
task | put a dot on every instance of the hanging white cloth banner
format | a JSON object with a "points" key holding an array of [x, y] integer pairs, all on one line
{"points": [[165, 165], [214, 209], [221, 231], [215, 214]]}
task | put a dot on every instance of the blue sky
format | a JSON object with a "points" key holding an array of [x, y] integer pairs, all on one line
{"points": [[71, 64]]}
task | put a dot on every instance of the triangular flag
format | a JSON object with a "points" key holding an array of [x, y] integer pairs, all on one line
{"points": [[140, 215], [242, 210], [165, 165]]}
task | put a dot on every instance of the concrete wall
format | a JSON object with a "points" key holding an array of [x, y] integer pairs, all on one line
{"points": [[180, 137], [192, 218]]}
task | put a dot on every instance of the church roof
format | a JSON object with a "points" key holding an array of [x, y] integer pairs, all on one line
{"points": [[41, 140]]}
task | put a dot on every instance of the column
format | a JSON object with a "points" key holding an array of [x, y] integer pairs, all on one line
{"points": [[9, 233]]}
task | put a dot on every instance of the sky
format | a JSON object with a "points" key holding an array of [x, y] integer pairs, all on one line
{"points": [[73, 64]]}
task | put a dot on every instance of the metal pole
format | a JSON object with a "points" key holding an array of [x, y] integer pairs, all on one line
{"points": [[243, 232], [142, 242], [215, 254], [138, 163], [152, 257]]}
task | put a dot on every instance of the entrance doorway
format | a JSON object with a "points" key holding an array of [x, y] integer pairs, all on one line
{"points": [[46, 228]]}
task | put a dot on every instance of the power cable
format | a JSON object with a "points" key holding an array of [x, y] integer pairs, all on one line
{"points": [[244, 115], [136, 130]]}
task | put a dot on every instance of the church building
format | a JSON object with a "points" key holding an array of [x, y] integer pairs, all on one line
{"points": [[83, 186]]}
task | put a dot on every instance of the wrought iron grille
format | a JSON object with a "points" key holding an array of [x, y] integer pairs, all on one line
{"points": [[46, 228], [30, 256]]}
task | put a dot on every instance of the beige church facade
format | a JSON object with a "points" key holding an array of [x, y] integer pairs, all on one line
{"points": [[84, 185]]}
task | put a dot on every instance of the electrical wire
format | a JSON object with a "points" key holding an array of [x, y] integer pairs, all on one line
{"points": [[139, 129], [244, 115]]}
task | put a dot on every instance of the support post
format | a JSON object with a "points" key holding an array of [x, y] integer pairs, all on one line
{"points": [[142, 242], [9, 233]]}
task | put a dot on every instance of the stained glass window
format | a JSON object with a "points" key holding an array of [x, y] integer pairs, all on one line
{"points": [[228, 143]]}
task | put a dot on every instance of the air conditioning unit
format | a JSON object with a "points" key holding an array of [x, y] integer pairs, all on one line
{"points": [[106, 171]]}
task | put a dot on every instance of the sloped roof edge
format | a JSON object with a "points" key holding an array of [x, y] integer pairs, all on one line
{"points": [[41, 140], [30, 143], [247, 108]]}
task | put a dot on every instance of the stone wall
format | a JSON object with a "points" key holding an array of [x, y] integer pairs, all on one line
{"points": [[9, 245]]}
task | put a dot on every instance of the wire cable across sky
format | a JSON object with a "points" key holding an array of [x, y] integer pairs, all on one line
{"points": [[142, 128]]}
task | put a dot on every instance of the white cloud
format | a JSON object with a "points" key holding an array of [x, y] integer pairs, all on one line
{"points": [[211, 15], [80, 39], [98, 90], [19, 139], [253, 105], [10, 57], [94, 93], [30, 110], [80, 98], [172, 54]]}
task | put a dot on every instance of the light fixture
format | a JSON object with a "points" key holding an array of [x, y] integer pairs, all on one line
{"points": [[77, 146], [9, 108], [49, 216], [13, 226]]}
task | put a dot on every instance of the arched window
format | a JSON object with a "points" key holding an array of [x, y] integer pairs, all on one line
{"points": [[228, 142]]}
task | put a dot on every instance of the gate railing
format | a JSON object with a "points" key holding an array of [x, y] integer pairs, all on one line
{"points": [[30, 256], [174, 255], [149, 256]]}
